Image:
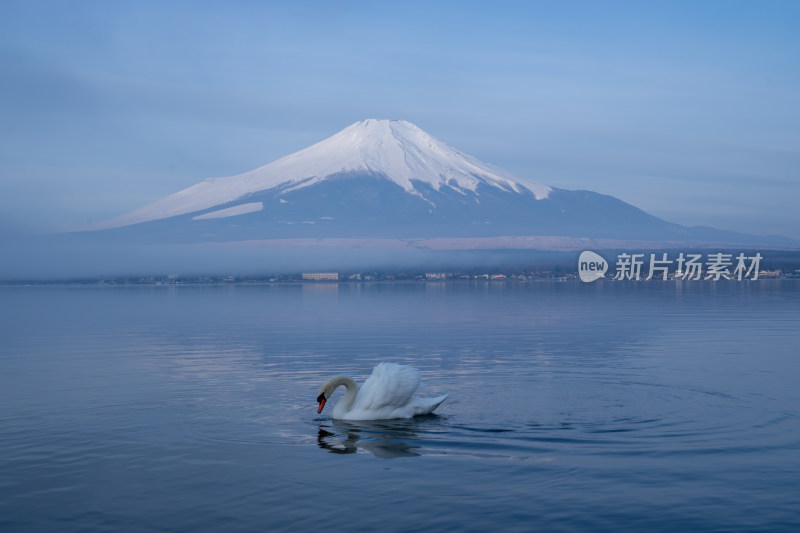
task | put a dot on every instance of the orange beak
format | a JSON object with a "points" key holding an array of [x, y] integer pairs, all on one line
{"points": [[321, 399]]}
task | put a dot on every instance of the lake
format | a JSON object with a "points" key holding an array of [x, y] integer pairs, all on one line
{"points": [[612, 406]]}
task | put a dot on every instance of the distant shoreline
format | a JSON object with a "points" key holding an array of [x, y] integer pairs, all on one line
{"points": [[494, 279]]}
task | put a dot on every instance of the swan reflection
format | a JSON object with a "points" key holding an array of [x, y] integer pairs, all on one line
{"points": [[385, 439]]}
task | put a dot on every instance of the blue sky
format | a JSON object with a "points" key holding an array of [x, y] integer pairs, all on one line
{"points": [[688, 110]]}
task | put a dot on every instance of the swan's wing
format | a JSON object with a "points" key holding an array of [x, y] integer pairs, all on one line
{"points": [[390, 385]]}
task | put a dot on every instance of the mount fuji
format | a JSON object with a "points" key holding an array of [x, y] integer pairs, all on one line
{"points": [[390, 179]]}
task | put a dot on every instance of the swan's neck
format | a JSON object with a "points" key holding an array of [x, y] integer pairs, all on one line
{"points": [[346, 403]]}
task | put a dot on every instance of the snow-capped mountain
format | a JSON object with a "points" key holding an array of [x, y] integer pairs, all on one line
{"points": [[387, 178], [395, 149]]}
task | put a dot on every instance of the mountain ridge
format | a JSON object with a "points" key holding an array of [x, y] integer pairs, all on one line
{"points": [[397, 149], [390, 179]]}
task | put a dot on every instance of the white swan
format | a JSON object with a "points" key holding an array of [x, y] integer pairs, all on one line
{"points": [[387, 393]]}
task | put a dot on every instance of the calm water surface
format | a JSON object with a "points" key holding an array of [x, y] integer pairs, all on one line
{"points": [[572, 407]]}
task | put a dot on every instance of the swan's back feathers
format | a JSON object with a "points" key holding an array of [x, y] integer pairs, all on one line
{"points": [[388, 393], [389, 385]]}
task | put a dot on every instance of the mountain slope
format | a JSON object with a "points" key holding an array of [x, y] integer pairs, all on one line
{"points": [[398, 150], [382, 178]]}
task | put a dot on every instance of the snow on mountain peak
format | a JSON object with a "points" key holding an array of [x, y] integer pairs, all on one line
{"points": [[396, 149]]}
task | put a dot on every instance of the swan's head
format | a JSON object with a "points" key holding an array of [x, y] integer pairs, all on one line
{"points": [[326, 391], [321, 399]]}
